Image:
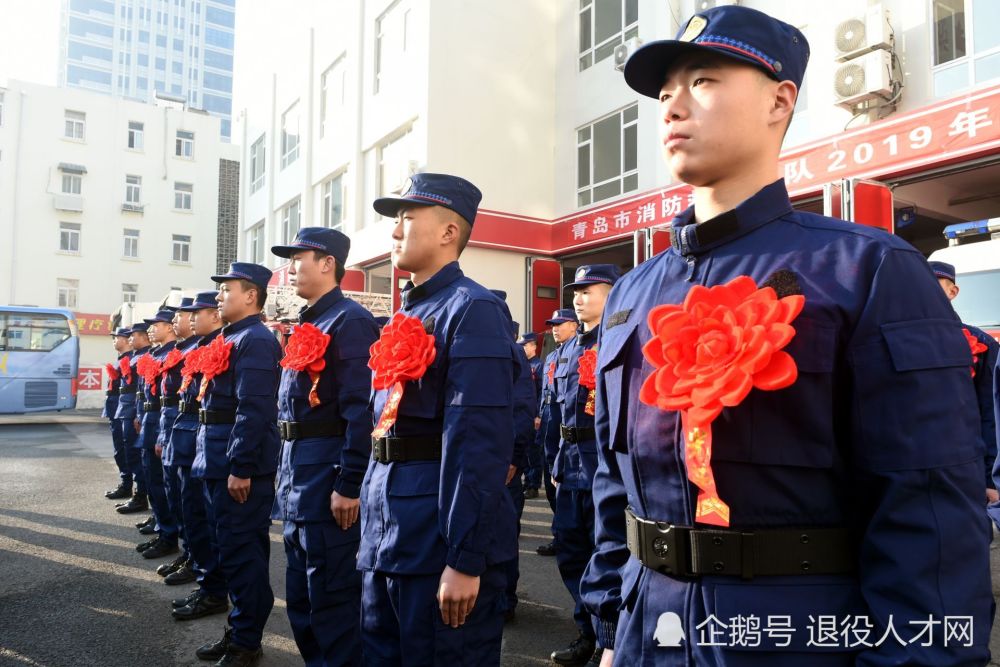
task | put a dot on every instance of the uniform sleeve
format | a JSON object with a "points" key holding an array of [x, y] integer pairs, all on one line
{"points": [[552, 433], [524, 413], [353, 376], [256, 376], [916, 447], [984, 392], [478, 435]]}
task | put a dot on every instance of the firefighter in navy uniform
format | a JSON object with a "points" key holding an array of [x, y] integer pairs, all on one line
{"points": [[982, 376], [237, 456], [828, 375], [127, 418], [535, 458], [438, 526], [124, 489], [325, 422], [576, 460]]}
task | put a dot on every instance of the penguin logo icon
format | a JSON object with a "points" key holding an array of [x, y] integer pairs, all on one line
{"points": [[668, 630]]}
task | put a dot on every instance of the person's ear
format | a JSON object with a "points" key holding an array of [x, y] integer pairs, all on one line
{"points": [[783, 103]]}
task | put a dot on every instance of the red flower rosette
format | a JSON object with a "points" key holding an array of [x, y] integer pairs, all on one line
{"points": [[708, 353], [191, 367], [172, 359], [125, 364], [587, 369], [402, 353], [305, 352], [214, 361], [149, 368], [112, 374], [975, 347]]}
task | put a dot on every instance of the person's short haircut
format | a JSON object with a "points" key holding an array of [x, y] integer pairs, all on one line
{"points": [[261, 293], [338, 271]]}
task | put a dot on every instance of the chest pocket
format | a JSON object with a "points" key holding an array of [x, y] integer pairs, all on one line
{"points": [[474, 361], [793, 426], [612, 354]]}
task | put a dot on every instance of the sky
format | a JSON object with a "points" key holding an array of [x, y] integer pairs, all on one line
{"points": [[29, 40]]}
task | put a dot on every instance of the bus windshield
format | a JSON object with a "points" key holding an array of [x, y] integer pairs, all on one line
{"points": [[24, 332], [39, 359], [978, 300]]}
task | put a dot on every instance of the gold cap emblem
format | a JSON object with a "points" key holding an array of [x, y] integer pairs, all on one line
{"points": [[694, 28]]}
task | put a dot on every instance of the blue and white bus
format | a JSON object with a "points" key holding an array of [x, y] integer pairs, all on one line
{"points": [[39, 359]]}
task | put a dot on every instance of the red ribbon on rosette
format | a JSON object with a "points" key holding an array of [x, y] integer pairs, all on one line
{"points": [[402, 353], [587, 369], [214, 361], [708, 353], [192, 366], [305, 352], [112, 374], [125, 364], [975, 347], [551, 372], [172, 359], [149, 368]]}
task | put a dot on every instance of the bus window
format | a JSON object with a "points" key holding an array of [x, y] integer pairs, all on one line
{"points": [[36, 333]]}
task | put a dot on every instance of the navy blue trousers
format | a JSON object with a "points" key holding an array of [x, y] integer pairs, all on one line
{"points": [[132, 453], [172, 485], [573, 527], [401, 622], [200, 534], [166, 525], [516, 491], [244, 552], [536, 464], [323, 592], [118, 445]]}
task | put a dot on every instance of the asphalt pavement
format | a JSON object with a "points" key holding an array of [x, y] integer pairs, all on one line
{"points": [[74, 592]]}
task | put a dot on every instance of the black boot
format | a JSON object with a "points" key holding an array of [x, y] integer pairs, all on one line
{"points": [[171, 567], [185, 574], [240, 657], [147, 545], [160, 549], [148, 521], [577, 653], [215, 650], [139, 503], [203, 605], [120, 492], [181, 602], [547, 549], [595, 660]]}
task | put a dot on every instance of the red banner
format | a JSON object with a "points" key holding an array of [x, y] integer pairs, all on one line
{"points": [[89, 379], [92, 324]]}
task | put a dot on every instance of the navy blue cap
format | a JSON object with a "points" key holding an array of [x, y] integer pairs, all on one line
{"points": [[382, 320], [775, 47], [428, 189], [139, 327], [255, 273], [500, 294], [122, 332], [325, 240], [561, 316], [943, 270], [528, 338], [186, 301], [201, 301], [593, 274], [162, 315]]}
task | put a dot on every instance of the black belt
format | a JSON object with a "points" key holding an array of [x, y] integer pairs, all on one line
{"points": [[189, 407], [313, 429], [418, 448], [573, 435], [170, 401], [151, 406], [693, 552], [126, 390], [217, 416]]}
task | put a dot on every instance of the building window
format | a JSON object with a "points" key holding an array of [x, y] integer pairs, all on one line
{"points": [[182, 248], [184, 146], [604, 24], [607, 152], [69, 237], [394, 162], [257, 165], [333, 96], [290, 135], [130, 243], [133, 189], [76, 122], [72, 184], [966, 46], [289, 222], [130, 292], [182, 196], [949, 30], [68, 292], [255, 243], [333, 203], [135, 135], [390, 44]]}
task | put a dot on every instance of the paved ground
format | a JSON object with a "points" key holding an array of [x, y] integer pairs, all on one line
{"points": [[74, 593]]}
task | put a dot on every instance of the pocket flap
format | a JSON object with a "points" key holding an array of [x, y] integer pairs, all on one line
{"points": [[923, 344]]}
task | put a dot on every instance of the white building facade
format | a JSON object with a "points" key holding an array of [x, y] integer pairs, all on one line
{"points": [[524, 98], [105, 201]]}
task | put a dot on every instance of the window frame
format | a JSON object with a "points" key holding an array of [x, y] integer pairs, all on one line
{"points": [[287, 232], [130, 295], [186, 196], [70, 234], [326, 195], [71, 124], [585, 195], [258, 164], [72, 179], [184, 145], [133, 190], [68, 294], [181, 242], [290, 153], [587, 57], [130, 240]]}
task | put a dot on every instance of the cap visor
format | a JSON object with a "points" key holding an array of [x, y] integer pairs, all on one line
{"points": [[287, 251], [390, 206], [646, 70], [588, 283]]}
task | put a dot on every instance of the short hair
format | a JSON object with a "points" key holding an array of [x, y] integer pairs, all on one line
{"points": [[464, 233], [261, 293], [338, 270]]}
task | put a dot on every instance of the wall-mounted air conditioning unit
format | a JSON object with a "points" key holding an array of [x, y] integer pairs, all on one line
{"points": [[861, 34], [623, 51], [862, 79]]}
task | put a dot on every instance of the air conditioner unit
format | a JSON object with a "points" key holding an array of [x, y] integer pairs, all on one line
{"points": [[863, 78], [623, 51], [861, 34]]}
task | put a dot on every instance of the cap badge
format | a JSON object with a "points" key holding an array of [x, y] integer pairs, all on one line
{"points": [[407, 186], [694, 28], [581, 273]]}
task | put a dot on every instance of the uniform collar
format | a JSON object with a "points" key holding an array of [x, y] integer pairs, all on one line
{"points": [[323, 304], [448, 274], [588, 337], [124, 354], [166, 347], [141, 351], [240, 325], [190, 341], [208, 338], [688, 238]]}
